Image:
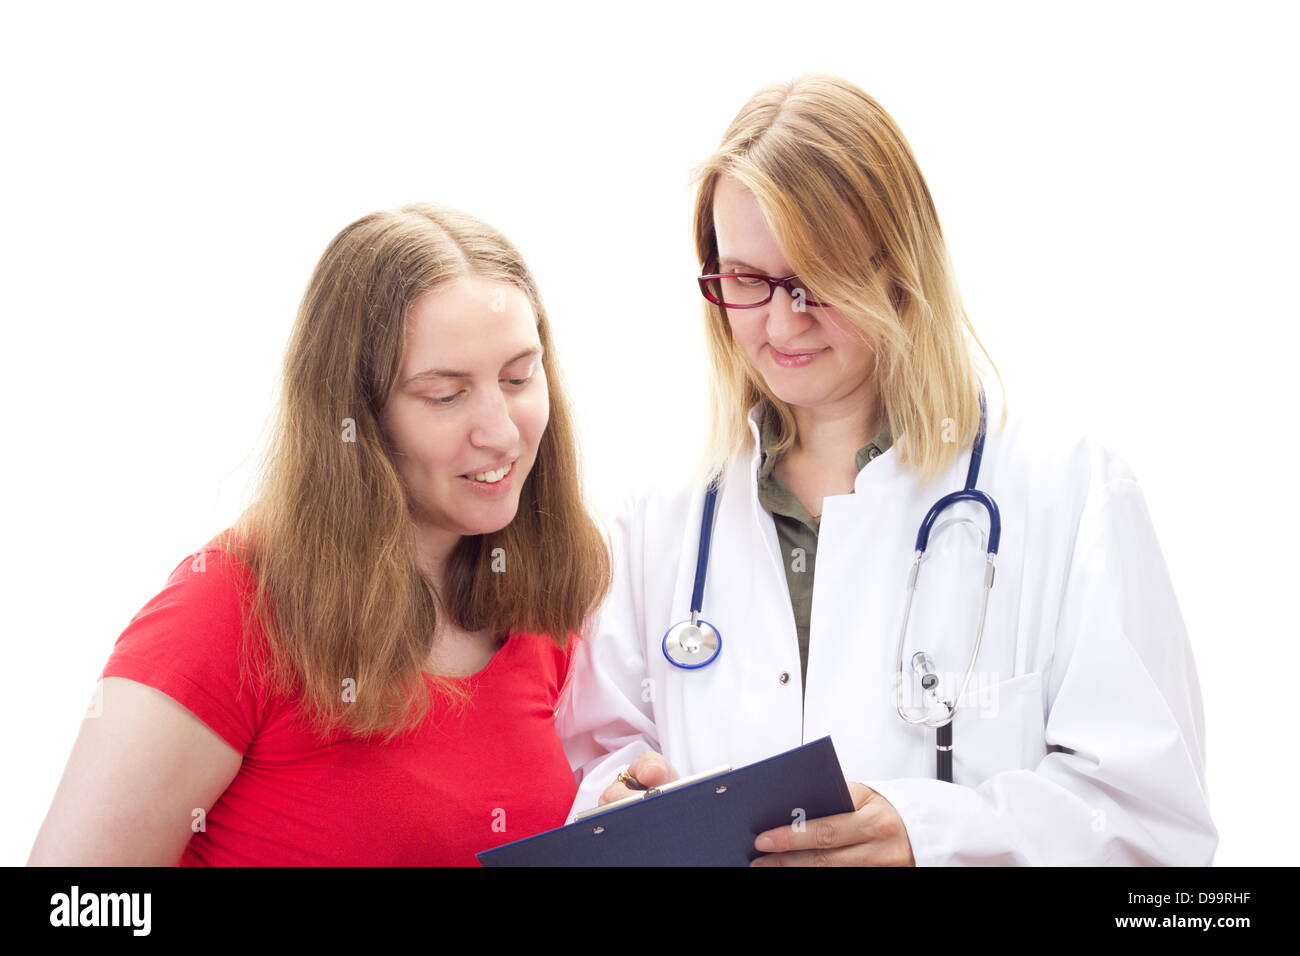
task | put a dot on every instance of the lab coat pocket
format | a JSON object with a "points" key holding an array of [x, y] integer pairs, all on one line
{"points": [[998, 727]]}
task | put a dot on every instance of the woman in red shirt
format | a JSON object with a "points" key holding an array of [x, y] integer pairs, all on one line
{"points": [[365, 668]]}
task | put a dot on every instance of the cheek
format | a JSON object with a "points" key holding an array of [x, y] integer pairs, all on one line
{"points": [[837, 328], [745, 329], [398, 433], [841, 335], [429, 456], [541, 414], [420, 440], [535, 415]]}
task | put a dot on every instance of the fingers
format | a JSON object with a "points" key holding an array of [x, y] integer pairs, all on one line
{"points": [[864, 854], [860, 794], [823, 833], [650, 769], [872, 835], [615, 791]]}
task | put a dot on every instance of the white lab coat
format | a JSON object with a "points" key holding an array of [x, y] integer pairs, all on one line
{"points": [[1081, 739]]}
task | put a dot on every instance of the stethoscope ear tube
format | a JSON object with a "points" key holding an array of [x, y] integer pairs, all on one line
{"points": [[695, 643], [706, 539], [966, 494], [944, 709]]}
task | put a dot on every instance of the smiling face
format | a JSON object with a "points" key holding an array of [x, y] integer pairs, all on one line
{"points": [[811, 358], [471, 400]]}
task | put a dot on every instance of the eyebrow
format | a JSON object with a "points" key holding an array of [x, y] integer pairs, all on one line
{"points": [[741, 266], [429, 373]]}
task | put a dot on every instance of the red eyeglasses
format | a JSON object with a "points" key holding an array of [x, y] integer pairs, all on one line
{"points": [[749, 290], [746, 290]]}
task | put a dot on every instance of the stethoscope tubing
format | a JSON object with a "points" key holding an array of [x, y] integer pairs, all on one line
{"points": [[942, 725]]}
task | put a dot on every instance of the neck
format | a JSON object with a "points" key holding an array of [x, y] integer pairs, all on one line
{"points": [[433, 550], [833, 432]]}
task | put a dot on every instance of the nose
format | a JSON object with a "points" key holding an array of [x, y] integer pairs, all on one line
{"points": [[492, 426], [784, 319]]}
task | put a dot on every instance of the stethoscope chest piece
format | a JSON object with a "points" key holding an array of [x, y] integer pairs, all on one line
{"points": [[692, 644]]}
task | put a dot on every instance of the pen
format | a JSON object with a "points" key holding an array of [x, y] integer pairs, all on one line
{"points": [[631, 782]]}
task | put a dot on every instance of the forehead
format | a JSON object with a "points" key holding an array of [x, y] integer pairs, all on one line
{"points": [[468, 322], [743, 232]]}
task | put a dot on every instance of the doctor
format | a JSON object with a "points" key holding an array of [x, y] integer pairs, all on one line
{"points": [[846, 403]]}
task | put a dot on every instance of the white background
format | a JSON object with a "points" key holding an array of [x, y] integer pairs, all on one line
{"points": [[1117, 182]]}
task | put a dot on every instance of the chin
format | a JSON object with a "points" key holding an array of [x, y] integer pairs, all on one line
{"points": [[805, 398], [495, 522]]}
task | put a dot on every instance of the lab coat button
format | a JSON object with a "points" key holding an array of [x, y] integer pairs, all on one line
{"points": [[785, 677]]}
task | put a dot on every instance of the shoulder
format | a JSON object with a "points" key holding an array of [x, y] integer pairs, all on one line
{"points": [[555, 656], [1053, 447], [676, 497], [1049, 470], [657, 518], [203, 601], [212, 580], [540, 659], [189, 641]]}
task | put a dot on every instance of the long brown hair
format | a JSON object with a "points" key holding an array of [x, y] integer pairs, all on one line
{"points": [[329, 535], [836, 179]]}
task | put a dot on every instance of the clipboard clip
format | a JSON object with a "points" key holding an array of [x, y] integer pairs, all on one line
{"points": [[652, 792]]}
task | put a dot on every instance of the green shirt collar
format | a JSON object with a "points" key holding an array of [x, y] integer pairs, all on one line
{"points": [[873, 449]]}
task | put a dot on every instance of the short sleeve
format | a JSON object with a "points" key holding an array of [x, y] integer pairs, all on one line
{"points": [[567, 659], [186, 642], [556, 665]]}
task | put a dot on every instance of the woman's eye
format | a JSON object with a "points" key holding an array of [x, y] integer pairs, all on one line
{"points": [[446, 401]]}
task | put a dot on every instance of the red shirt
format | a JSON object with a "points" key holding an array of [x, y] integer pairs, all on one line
{"points": [[463, 781]]}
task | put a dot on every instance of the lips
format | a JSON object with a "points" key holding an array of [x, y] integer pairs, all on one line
{"points": [[801, 359], [490, 468]]}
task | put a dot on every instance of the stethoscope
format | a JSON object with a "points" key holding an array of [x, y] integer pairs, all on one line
{"points": [[696, 643]]}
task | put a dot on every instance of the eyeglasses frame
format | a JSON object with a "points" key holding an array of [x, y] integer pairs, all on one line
{"points": [[788, 283]]}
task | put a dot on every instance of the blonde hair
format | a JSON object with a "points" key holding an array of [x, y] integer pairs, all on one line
{"points": [[329, 537], [838, 184]]}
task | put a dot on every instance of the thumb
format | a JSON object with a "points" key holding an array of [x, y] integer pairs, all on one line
{"points": [[652, 770], [860, 793]]}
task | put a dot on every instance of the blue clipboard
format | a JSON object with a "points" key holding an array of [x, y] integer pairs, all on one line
{"points": [[711, 822]]}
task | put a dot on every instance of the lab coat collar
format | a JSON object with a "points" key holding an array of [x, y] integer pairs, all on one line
{"points": [[881, 469], [755, 418], [875, 475]]}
